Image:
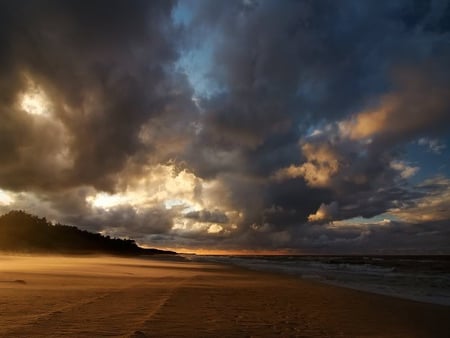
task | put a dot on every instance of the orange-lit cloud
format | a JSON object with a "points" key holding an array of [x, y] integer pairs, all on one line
{"points": [[322, 163], [366, 124], [325, 213], [5, 198], [187, 197], [420, 101], [404, 169]]}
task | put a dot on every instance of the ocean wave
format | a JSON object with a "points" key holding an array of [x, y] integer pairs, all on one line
{"points": [[425, 279]]}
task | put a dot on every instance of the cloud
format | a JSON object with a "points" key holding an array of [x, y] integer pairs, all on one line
{"points": [[269, 100], [302, 116], [5, 198], [433, 145], [419, 103], [432, 206], [321, 164], [208, 216], [123, 220], [90, 63], [386, 238], [363, 179], [405, 170], [325, 213]]}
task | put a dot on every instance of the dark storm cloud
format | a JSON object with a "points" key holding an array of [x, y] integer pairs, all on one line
{"points": [[106, 68], [362, 179], [310, 107], [286, 68], [70, 207], [207, 216], [386, 238], [125, 220], [358, 159]]}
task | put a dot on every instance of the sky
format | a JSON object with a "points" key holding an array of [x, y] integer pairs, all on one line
{"points": [[231, 125]]}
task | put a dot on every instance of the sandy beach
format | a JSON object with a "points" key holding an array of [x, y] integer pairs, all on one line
{"points": [[125, 297]]}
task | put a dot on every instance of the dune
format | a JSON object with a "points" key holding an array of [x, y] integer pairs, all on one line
{"points": [[51, 296]]}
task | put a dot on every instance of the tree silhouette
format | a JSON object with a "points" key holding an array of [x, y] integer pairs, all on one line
{"points": [[22, 232]]}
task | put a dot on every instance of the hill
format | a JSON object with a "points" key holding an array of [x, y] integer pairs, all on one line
{"points": [[22, 232]]}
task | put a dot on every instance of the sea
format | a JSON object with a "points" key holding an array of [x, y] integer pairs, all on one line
{"points": [[419, 278]]}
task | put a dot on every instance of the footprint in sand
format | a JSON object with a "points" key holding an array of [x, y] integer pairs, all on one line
{"points": [[17, 281]]}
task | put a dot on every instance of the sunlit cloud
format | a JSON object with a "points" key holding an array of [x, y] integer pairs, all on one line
{"points": [[34, 100], [434, 206], [322, 164], [405, 170], [325, 213], [214, 228], [160, 184], [366, 124], [5, 198], [107, 201], [185, 196]]}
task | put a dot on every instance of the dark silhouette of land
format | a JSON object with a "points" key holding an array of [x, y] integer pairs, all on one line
{"points": [[22, 232]]}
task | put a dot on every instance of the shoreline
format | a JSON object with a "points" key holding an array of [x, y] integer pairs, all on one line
{"points": [[388, 284], [126, 297]]}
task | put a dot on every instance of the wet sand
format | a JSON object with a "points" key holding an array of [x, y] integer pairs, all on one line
{"points": [[121, 297]]}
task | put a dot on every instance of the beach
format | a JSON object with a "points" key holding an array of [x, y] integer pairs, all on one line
{"points": [[53, 296]]}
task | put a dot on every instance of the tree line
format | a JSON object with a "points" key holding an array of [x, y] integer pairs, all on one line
{"points": [[23, 232]]}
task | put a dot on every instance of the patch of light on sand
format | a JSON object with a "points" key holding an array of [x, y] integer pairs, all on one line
{"points": [[5, 198]]}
